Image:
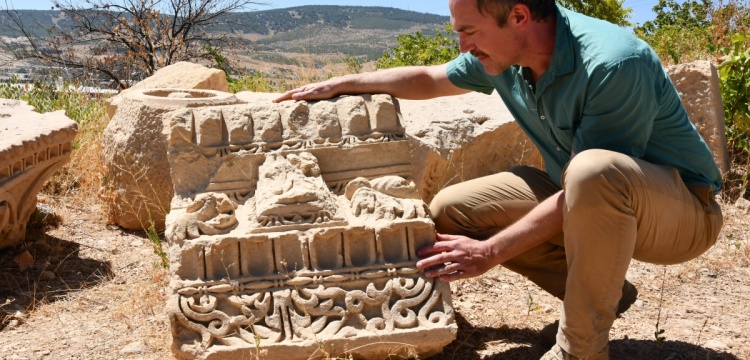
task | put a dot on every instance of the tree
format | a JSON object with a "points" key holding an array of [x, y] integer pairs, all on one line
{"points": [[418, 49], [609, 10], [127, 39]]}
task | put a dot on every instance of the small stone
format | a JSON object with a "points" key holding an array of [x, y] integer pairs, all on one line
{"points": [[638, 303], [24, 260], [13, 324], [743, 204], [41, 245], [716, 345], [134, 348], [41, 264]]}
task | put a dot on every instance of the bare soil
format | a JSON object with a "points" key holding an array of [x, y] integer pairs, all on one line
{"points": [[94, 291]]}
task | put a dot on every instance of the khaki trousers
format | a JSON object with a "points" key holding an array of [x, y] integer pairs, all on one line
{"points": [[617, 208]]}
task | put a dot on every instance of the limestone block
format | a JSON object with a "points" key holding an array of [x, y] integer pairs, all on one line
{"points": [[304, 237], [138, 183], [181, 75], [33, 147], [698, 85], [459, 138]]}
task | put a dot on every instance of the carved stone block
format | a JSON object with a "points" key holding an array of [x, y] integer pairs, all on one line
{"points": [[294, 229], [134, 148], [33, 147]]}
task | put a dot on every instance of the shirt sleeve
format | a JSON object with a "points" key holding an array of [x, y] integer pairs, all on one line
{"points": [[620, 108], [467, 72]]}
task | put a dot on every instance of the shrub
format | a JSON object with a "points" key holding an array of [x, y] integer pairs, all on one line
{"points": [[418, 49]]}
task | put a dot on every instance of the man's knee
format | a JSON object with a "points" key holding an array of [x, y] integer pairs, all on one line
{"points": [[446, 211], [593, 168]]}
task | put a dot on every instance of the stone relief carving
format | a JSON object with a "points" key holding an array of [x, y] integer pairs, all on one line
{"points": [[294, 224], [388, 197], [34, 146], [209, 214], [313, 312], [291, 191]]}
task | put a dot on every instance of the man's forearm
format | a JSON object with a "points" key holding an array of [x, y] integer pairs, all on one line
{"points": [[542, 223], [415, 83]]}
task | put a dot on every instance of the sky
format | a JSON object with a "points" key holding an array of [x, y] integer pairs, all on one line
{"points": [[641, 8]]}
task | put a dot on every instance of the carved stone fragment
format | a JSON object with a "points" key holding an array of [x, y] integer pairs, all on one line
{"points": [[305, 236], [33, 147], [698, 85], [139, 184]]}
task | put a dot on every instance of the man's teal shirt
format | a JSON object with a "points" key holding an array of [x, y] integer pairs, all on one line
{"points": [[604, 89]]}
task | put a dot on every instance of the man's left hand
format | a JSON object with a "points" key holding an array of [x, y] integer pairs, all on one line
{"points": [[455, 257]]}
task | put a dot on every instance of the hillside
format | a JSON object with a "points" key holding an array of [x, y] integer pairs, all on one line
{"points": [[364, 32]]}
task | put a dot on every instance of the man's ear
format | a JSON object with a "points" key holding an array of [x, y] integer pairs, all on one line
{"points": [[520, 16]]}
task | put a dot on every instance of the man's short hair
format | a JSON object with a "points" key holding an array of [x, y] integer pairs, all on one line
{"points": [[499, 9]]}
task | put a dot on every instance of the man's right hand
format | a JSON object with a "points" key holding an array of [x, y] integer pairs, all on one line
{"points": [[316, 91]]}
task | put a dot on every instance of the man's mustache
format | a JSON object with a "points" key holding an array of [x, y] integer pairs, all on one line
{"points": [[478, 53]]}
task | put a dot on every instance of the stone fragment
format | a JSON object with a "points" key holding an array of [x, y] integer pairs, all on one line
{"points": [[459, 138], [698, 85], [716, 345], [304, 237], [134, 348], [24, 260], [180, 75], [33, 147], [138, 185], [743, 204]]}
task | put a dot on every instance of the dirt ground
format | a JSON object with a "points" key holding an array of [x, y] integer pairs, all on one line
{"points": [[94, 291]]}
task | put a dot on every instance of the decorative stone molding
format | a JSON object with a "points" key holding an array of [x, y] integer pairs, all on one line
{"points": [[294, 228], [34, 146]]}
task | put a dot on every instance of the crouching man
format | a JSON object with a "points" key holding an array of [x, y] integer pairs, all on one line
{"points": [[626, 174]]}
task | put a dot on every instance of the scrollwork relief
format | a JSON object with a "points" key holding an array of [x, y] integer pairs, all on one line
{"points": [[317, 312]]}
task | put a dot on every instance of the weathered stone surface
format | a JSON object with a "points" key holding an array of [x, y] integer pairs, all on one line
{"points": [[295, 226], [460, 138], [33, 147], [181, 75], [698, 85], [138, 183]]}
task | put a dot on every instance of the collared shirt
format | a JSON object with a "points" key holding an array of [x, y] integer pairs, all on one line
{"points": [[604, 89]]}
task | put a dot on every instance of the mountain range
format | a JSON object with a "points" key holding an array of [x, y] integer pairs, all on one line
{"points": [[363, 32]]}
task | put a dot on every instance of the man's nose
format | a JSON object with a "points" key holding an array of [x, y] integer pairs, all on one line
{"points": [[464, 45]]}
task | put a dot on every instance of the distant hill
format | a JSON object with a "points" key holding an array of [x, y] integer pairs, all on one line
{"points": [[365, 32]]}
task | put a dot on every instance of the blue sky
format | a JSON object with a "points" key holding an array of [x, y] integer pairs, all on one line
{"points": [[641, 8]]}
